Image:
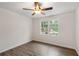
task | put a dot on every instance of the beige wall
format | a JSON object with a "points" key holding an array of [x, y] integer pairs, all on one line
{"points": [[15, 29], [66, 35]]}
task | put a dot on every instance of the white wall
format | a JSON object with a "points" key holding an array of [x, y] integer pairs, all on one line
{"points": [[77, 31], [15, 29], [66, 37]]}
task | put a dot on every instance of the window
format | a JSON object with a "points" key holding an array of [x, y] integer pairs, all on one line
{"points": [[49, 27]]}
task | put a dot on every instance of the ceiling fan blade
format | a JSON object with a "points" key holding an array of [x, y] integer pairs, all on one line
{"points": [[33, 13], [27, 9], [37, 3], [49, 8]]}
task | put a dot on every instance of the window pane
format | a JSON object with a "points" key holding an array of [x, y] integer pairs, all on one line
{"points": [[44, 27], [53, 27]]}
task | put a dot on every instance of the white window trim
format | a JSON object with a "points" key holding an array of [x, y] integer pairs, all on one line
{"points": [[48, 28]]}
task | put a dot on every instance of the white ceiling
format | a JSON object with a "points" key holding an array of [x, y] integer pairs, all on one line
{"points": [[58, 7]]}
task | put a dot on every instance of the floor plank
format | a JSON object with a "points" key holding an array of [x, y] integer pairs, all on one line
{"points": [[39, 49]]}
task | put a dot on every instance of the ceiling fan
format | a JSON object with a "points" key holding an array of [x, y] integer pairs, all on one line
{"points": [[38, 8]]}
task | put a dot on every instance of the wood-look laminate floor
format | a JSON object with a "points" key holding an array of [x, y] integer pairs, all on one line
{"points": [[39, 49]]}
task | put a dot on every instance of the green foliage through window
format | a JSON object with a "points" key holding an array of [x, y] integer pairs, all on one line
{"points": [[44, 27], [50, 27]]}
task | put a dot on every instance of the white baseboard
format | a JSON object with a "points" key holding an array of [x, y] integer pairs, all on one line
{"points": [[77, 51], [55, 44], [14, 46]]}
